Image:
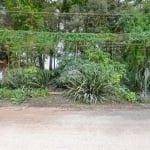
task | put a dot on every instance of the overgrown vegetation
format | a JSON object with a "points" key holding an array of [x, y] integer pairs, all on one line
{"points": [[133, 53], [27, 78], [104, 52], [22, 83], [94, 77]]}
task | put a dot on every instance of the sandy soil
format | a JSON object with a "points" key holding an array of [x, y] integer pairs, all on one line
{"points": [[51, 128], [59, 101]]}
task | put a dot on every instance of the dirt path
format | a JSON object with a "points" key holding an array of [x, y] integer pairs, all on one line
{"points": [[27, 128]]}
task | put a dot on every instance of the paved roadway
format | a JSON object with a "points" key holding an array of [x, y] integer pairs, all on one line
{"points": [[66, 129]]}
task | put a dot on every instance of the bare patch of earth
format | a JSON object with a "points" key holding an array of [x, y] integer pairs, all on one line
{"points": [[58, 100]]}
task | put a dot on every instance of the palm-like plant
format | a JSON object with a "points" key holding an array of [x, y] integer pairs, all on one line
{"points": [[89, 87]]}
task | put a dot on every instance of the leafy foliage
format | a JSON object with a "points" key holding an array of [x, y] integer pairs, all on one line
{"points": [[42, 79], [93, 77], [18, 96], [90, 86], [28, 78], [27, 47], [122, 30], [97, 16]]}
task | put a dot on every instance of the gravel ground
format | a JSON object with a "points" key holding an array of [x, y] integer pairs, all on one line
{"points": [[105, 128]]}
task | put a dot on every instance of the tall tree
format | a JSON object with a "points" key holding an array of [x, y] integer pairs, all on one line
{"points": [[24, 14]]}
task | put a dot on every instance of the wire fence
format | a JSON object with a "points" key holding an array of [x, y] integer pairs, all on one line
{"points": [[76, 23]]}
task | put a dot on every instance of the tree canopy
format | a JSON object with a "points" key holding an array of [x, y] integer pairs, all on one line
{"points": [[79, 15]]}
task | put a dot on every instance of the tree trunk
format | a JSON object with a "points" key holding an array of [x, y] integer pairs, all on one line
{"points": [[41, 61], [50, 61]]}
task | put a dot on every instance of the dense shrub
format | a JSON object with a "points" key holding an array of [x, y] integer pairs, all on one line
{"points": [[27, 78], [42, 79], [19, 84], [94, 76]]}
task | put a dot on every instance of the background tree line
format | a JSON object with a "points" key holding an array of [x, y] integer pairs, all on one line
{"points": [[78, 15]]}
